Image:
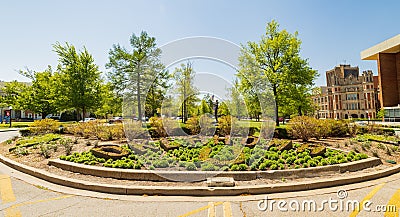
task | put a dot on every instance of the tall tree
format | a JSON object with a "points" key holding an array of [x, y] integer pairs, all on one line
{"points": [[184, 77], [41, 96], [13, 94], [276, 58], [111, 102], [136, 70], [236, 102], [156, 93], [80, 81], [204, 108]]}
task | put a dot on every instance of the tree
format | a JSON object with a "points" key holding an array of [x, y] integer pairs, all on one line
{"points": [[80, 81], [41, 97], [236, 102], [184, 77], [156, 94], [135, 71], [13, 94], [276, 58], [223, 109], [204, 108], [111, 102]]}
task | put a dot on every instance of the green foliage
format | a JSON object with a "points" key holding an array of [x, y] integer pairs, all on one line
{"points": [[67, 144], [226, 124], [20, 151], [303, 127], [135, 70], [44, 126], [184, 80], [42, 96], [207, 166], [235, 167], [191, 166], [162, 126], [276, 59], [97, 130], [14, 94], [161, 163], [79, 79]]}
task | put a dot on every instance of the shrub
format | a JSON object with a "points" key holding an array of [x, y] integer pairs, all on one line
{"points": [[160, 164], [45, 150], [97, 130], [323, 129], [273, 167], [339, 128], [134, 130], [226, 124], [20, 151], [303, 127], [200, 125], [193, 124], [191, 166], [235, 167], [242, 167], [162, 126], [44, 126], [207, 166]]}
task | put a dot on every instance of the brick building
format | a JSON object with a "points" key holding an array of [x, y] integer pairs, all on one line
{"points": [[387, 55], [347, 94]]}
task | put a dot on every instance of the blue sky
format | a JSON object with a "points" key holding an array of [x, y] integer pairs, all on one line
{"points": [[332, 32]]}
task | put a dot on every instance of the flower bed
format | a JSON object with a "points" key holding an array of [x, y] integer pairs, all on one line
{"points": [[218, 156]]}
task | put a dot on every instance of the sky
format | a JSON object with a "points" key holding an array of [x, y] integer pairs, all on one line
{"points": [[332, 32]]}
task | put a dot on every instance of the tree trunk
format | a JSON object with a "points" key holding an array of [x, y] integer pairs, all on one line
{"points": [[276, 106], [83, 113], [77, 114], [44, 114], [138, 96], [299, 111]]}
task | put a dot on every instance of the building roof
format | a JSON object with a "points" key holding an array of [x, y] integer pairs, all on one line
{"points": [[392, 45]]}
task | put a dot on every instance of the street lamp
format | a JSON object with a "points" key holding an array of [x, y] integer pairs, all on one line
{"points": [[10, 114]]}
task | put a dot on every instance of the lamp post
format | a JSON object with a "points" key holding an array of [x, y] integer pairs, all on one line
{"points": [[10, 114]]}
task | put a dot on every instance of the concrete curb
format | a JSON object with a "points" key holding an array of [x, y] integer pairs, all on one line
{"points": [[10, 129], [157, 175], [197, 191]]}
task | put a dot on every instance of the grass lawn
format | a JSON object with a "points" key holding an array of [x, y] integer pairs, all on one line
{"points": [[15, 124]]}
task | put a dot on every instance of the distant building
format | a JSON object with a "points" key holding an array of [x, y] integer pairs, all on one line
{"points": [[387, 55], [347, 94], [16, 114]]}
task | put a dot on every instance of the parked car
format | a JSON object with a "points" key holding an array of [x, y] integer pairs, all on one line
{"points": [[115, 120], [87, 119]]}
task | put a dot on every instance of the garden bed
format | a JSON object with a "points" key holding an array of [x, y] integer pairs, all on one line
{"points": [[283, 157]]}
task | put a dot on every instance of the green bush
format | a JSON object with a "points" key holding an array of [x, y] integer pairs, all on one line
{"points": [[242, 167], [273, 167], [162, 127], [207, 166], [235, 167], [226, 123], [303, 127], [161, 163], [339, 128], [191, 166], [44, 126]]}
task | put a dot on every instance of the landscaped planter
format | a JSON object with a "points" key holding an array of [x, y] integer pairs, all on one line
{"points": [[109, 152]]}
